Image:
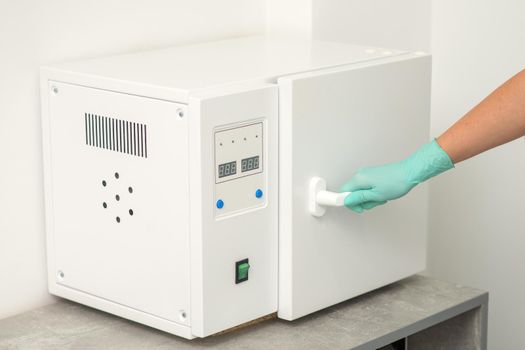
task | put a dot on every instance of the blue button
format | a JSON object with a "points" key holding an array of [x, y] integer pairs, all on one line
{"points": [[258, 193], [220, 204]]}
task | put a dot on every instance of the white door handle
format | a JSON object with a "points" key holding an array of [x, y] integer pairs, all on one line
{"points": [[319, 197]]}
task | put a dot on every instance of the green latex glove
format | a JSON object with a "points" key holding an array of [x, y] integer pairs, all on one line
{"points": [[375, 186]]}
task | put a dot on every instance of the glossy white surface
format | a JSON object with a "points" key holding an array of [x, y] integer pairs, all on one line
{"points": [[190, 68], [331, 123]]}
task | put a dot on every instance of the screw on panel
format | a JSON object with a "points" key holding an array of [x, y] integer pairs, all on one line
{"points": [[60, 275], [180, 113], [182, 315], [54, 89]]}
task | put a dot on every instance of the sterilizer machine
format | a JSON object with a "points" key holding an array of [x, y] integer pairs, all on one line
{"points": [[194, 188]]}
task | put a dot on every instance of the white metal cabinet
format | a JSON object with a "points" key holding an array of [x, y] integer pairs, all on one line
{"points": [[331, 123], [130, 177], [218, 142]]}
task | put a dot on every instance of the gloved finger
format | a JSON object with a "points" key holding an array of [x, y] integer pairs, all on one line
{"points": [[354, 184], [357, 208], [372, 204], [362, 196]]}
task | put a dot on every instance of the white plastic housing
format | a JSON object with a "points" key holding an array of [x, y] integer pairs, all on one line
{"points": [[319, 198], [140, 224]]}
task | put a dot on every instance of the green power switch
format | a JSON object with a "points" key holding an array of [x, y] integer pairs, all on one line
{"points": [[241, 271]]}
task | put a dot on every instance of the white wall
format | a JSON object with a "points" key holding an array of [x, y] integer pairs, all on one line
{"points": [[33, 33], [400, 24], [477, 234], [289, 18]]}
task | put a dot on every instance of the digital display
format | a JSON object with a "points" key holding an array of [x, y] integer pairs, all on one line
{"points": [[251, 163], [227, 169]]}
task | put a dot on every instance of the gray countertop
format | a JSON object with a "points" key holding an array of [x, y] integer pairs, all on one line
{"points": [[366, 322]]}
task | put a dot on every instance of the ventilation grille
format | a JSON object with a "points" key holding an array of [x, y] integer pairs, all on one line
{"points": [[116, 135]]}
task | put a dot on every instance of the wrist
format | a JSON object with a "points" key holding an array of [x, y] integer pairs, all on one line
{"points": [[428, 161]]}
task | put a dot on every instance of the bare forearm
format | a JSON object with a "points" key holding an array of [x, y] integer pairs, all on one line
{"points": [[498, 119]]}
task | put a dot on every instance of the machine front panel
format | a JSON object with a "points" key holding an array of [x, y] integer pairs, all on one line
{"points": [[239, 168], [234, 220], [332, 123]]}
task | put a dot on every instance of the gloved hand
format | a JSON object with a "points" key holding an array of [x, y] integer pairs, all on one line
{"points": [[375, 186]]}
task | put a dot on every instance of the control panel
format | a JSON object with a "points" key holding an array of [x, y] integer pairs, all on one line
{"points": [[239, 168]]}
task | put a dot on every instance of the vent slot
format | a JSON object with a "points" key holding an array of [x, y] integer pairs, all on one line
{"points": [[116, 135]]}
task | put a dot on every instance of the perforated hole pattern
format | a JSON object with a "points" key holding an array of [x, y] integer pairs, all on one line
{"points": [[117, 198]]}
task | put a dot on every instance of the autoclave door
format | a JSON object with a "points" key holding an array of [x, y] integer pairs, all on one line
{"points": [[333, 122]]}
